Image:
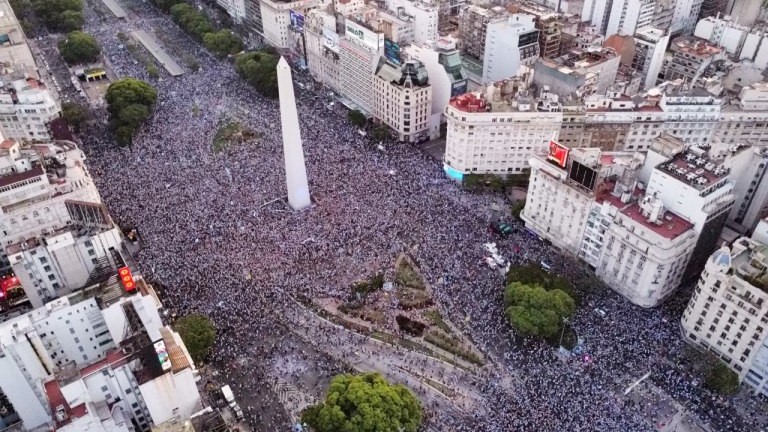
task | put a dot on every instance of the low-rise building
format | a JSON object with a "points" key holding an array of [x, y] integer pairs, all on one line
{"points": [[26, 108], [403, 99], [498, 129], [578, 73], [691, 56]]}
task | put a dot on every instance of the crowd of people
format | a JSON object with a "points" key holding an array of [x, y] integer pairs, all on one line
{"points": [[218, 234]]}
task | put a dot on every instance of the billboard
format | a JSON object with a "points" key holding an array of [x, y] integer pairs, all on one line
{"points": [[362, 34], [124, 273], [458, 88], [297, 21], [392, 51], [558, 153], [162, 355], [331, 40]]}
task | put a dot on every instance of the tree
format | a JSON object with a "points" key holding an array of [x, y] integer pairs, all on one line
{"points": [[191, 20], [166, 5], [532, 310], [198, 334], [365, 402], [722, 379], [380, 133], [222, 43], [259, 69], [356, 118], [79, 47], [129, 102], [51, 12], [74, 114], [70, 21]]}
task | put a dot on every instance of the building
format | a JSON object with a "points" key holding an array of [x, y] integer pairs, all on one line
{"points": [[26, 108], [722, 32], [548, 23], [423, 16], [14, 50], [691, 56], [403, 99], [234, 8], [710, 8], [750, 186], [53, 227], [473, 25], [684, 17], [396, 26], [728, 312], [323, 50], [98, 359], [510, 43], [663, 13], [253, 22], [589, 203], [360, 50], [744, 119], [744, 11], [627, 16], [276, 20], [443, 64], [578, 72], [348, 7], [497, 129]]}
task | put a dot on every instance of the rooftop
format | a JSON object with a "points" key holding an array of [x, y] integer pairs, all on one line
{"points": [[695, 46], [694, 168], [670, 227], [749, 260]]}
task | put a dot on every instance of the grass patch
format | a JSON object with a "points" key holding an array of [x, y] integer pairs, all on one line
{"points": [[229, 133], [413, 299], [191, 63], [407, 276], [447, 343], [436, 319]]}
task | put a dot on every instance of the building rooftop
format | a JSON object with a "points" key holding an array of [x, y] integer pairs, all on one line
{"points": [[669, 226], [749, 260], [582, 58], [694, 168], [695, 46]]}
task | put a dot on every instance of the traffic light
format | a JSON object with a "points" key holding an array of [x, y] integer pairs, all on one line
{"points": [[127, 279]]}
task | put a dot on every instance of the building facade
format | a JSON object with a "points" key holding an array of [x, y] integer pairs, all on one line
{"points": [[403, 99], [510, 43]]}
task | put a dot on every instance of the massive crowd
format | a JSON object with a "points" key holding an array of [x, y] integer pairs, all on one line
{"points": [[215, 235]]}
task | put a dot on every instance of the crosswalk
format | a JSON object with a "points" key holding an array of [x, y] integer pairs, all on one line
{"points": [[291, 397]]}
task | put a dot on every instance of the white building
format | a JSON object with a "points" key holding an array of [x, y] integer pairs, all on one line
{"points": [[684, 17], [26, 107], [746, 12], [348, 8], [627, 16], [235, 9], [499, 128], [510, 42], [276, 20], [323, 50], [360, 50], [443, 64], [728, 312], [403, 99], [99, 347], [750, 186], [423, 15], [723, 32], [650, 46], [578, 72], [744, 120]]}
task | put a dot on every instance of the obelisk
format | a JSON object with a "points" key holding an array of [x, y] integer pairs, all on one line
{"points": [[295, 169]]}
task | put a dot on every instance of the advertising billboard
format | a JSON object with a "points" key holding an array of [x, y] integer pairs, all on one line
{"points": [[297, 21], [162, 355], [392, 51], [558, 153], [362, 34], [459, 88]]}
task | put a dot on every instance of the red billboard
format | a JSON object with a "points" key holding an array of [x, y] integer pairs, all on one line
{"points": [[127, 279], [558, 153]]}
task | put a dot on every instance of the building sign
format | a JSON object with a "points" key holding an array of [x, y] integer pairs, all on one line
{"points": [[362, 34], [459, 88], [392, 51], [124, 273], [558, 153], [162, 355], [297, 21], [331, 40]]}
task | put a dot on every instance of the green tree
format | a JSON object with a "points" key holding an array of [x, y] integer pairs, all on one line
{"points": [[380, 133], [166, 5], [51, 12], [129, 102], [74, 114], [70, 21], [532, 310], [198, 334], [722, 379], [79, 47], [223, 43], [259, 69], [366, 402], [356, 118], [191, 20]]}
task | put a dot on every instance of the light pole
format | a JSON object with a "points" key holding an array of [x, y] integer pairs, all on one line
{"points": [[562, 331]]}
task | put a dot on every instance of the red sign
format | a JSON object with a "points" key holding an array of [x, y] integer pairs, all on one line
{"points": [[558, 153], [124, 273]]}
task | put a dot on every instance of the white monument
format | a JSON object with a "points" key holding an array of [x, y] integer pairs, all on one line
{"points": [[295, 169]]}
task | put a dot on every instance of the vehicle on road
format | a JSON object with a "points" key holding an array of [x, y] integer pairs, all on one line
{"points": [[502, 228], [228, 396]]}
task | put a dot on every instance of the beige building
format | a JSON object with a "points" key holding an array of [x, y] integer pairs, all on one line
{"points": [[403, 99], [728, 312]]}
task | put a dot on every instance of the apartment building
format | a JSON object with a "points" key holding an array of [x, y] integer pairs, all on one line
{"points": [[510, 43], [691, 56], [684, 16], [323, 50], [578, 72], [276, 20], [728, 312], [360, 50], [403, 99], [99, 347], [234, 8], [423, 16], [497, 129], [750, 186], [26, 108], [473, 25], [627, 16], [548, 23]]}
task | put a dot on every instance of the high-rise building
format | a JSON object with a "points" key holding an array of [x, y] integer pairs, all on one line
{"points": [[422, 15], [497, 129], [684, 17], [548, 23], [323, 51], [360, 50], [745, 11], [750, 186], [691, 56], [728, 312], [276, 20], [473, 26], [253, 22], [26, 108], [578, 72], [510, 42], [629, 15], [403, 99], [234, 8], [643, 52]]}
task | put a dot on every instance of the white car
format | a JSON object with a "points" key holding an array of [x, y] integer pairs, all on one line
{"points": [[491, 247], [600, 312]]}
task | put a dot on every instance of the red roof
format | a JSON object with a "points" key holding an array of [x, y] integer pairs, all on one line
{"points": [[56, 399], [672, 225]]}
